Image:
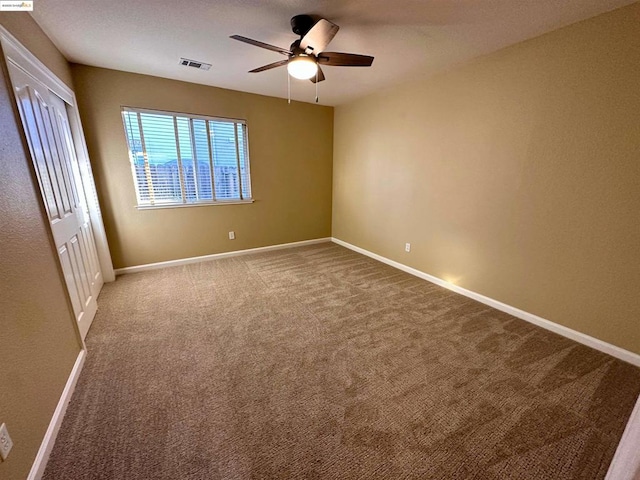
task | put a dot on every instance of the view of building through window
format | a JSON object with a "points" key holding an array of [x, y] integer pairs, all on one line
{"points": [[183, 159]]}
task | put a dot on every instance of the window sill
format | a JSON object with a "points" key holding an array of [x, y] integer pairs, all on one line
{"points": [[202, 204]]}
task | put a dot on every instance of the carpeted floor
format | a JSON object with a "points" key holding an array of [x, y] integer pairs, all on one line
{"points": [[320, 363]]}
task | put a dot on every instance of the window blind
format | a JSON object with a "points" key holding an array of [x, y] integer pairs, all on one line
{"points": [[180, 159]]}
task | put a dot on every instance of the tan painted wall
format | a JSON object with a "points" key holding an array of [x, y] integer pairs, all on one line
{"points": [[29, 33], [516, 176], [290, 149], [37, 337]]}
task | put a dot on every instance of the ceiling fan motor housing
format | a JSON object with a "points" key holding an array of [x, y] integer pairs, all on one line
{"points": [[301, 24]]}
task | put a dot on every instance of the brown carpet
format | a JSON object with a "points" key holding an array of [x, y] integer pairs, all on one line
{"points": [[320, 363]]}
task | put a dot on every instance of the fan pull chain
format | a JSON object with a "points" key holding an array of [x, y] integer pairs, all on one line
{"points": [[289, 88], [317, 84]]}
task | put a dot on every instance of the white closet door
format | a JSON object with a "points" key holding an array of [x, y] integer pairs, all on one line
{"points": [[45, 122]]}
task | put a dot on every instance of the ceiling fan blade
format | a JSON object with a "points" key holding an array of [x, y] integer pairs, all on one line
{"points": [[280, 63], [257, 43], [319, 36], [320, 76], [336, 59]]}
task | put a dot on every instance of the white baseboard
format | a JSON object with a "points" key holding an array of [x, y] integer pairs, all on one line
{"points": [[626, 462], [592, 342], [40, 463], [215, 256]]}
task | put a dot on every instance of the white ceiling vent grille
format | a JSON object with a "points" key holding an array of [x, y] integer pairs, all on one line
{"points": [[195, 64]]}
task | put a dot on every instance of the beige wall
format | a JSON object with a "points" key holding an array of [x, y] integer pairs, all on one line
{"points": [[37, 338], [516, 176], [290, 150], [29, 33]]}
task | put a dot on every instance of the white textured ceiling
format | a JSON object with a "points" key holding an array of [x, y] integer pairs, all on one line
{"points": [[408, 38]]}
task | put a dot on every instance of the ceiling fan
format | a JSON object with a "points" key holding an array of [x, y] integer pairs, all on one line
{"points": [[306, 55]]}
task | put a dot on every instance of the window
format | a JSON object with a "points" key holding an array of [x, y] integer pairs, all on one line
{"points": [[181, 159]]}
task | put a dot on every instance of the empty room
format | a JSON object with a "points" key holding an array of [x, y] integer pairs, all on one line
{"points": [[320, 239]]}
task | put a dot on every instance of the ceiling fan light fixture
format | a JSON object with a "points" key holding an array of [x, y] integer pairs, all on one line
{"points": [[302, 67], [302, 59]]}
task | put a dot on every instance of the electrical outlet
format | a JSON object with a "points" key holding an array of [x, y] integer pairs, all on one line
{"points": [[407, 247], [232, 235], [5, 442]]}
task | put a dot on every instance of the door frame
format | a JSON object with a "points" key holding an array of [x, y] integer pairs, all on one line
{"points": [[16, 54]]}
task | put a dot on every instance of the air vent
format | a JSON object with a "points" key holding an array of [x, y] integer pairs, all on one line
{"points": [[195, 64]]}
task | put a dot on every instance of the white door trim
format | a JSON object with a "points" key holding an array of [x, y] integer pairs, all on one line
{"points": [[22, 58], [626, 461]]}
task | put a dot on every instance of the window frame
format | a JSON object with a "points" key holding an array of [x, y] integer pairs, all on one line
{"points": [[206, 118]]}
